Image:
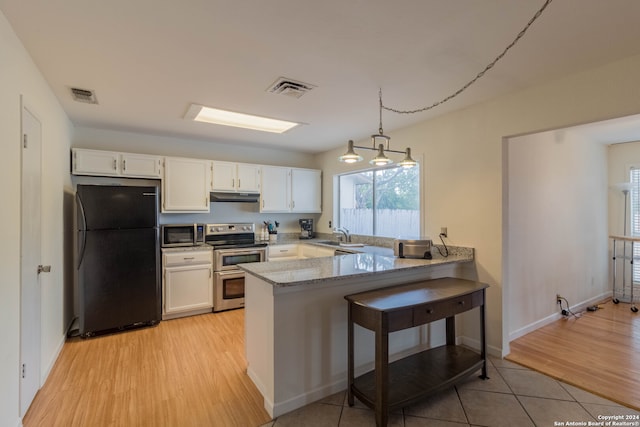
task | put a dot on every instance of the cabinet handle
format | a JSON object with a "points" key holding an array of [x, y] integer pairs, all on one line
{"points": [[233, 182], [124, 165], [460, 302], [187, 258], [115, 164], [429, 310], [209, 273], [239, 185], [263, 203], [293, 204]]}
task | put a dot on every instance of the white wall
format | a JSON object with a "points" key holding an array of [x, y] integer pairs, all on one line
{"points": [[621, 157], [463, 162], [556, 239], [20, 76], [101, 139]]}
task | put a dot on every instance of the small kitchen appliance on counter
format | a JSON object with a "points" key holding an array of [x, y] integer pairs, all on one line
{"points": [[306, 228], [413, 248]]}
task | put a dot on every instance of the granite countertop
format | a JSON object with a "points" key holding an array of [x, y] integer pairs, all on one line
{"points": [[324, 269]]}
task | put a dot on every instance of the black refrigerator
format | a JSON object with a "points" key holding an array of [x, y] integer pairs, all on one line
{"points": [[118, 258]]}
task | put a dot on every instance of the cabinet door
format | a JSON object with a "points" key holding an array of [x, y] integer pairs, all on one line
{"points": [[248, 178], [185, 187], [305, 190], [95, 162], [275, 189], [141, 165], [223, 176], [188, 288]]}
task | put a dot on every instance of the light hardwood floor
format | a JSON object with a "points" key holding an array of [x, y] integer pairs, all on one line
{"points": [[183, 372], [598, 352]]}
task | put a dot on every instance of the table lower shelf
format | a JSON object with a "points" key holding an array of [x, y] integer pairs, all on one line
{"points": [[415, 377]]}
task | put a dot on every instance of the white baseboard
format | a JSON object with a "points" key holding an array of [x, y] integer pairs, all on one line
{"points": [[475, 344], [268, 404], [307, 398], [552, 318], [52, 361]]}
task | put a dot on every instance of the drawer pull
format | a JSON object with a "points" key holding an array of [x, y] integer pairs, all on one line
{"points": [[460, 302], [188, 258], [429, 310]]}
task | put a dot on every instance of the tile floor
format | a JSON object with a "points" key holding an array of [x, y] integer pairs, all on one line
{"points": [[513, 396]]}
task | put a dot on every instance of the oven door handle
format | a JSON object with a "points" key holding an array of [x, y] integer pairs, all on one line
{"points": [[223, 252], [234, 272]]}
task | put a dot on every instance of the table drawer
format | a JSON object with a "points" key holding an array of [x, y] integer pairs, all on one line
{"points": [[432, 312]]}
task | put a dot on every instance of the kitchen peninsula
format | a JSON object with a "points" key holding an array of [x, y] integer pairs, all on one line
{"points": [[296, 320]]}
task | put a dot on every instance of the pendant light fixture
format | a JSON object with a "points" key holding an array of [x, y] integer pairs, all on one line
{"points": [[381, 159], [379, 143]]}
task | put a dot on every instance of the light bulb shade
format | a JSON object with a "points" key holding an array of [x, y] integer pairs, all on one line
{"points": [[350, 156], [408, 162], [381, 159]]}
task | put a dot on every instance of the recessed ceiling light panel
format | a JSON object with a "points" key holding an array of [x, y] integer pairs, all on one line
{"points": [[200, 113]]}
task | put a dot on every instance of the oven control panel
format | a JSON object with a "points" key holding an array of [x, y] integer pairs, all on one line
{"points": [[213, 229]]}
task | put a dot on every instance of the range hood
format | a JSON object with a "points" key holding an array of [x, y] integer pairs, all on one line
{"points": [[234, 197]]}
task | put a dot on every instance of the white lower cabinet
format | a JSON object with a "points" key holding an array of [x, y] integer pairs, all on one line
{"points": [[187, 283], [289, 252]]}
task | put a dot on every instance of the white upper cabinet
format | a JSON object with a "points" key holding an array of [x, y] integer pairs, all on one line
{"points": [[248, 177], [306, 193], [111, 163], [141, 165], [276, 189], [235, 177], [186, 184], [290, 190]]}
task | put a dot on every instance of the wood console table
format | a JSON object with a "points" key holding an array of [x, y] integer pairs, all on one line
{"points": [[406, 381]]}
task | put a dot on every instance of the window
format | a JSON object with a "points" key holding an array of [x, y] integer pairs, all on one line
{"points": [[634, 194], [381, 202]]}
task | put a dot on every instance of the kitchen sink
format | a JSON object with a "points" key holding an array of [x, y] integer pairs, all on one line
{"points": [[328, 242], [343, 244]]}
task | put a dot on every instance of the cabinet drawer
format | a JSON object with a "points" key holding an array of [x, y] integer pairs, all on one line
{"points": [[432, 312], [187, 258], [281, 252]]}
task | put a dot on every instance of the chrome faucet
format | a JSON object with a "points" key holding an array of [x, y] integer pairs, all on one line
{"points": [[345, 232]]}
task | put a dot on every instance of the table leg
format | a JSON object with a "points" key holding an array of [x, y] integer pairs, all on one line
{"points": [[382, 372], [351, 355], [451, 330], [483, 338]]}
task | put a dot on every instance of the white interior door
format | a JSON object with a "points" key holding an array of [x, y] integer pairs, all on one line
{"points": [[30, 259]]}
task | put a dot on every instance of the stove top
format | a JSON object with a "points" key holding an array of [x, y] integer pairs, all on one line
{"points": [[231, 235]]}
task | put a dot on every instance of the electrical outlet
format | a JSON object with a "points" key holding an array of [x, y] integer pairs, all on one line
{"points": [[558, 299], [443, 231]]}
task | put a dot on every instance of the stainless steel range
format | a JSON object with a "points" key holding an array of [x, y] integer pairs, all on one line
{"points": [[232, 244]]}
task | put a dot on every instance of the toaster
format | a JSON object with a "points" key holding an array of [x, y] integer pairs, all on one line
{"points": [[410, 248]]}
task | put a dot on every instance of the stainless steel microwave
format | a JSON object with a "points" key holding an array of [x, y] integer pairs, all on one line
{"points": [[174, 235]]}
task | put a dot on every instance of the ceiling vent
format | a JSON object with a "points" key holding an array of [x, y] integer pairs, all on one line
{"points": [[83, 95], [290, 87]]}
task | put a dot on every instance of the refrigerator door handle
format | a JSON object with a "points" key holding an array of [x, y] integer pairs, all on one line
{"points": [[82, 230]]}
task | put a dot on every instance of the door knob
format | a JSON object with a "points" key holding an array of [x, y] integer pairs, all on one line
{"points": [[44, 269]]}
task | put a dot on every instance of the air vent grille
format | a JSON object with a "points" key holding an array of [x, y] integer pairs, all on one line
{"points": [[290, 87], [83, 95]]}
